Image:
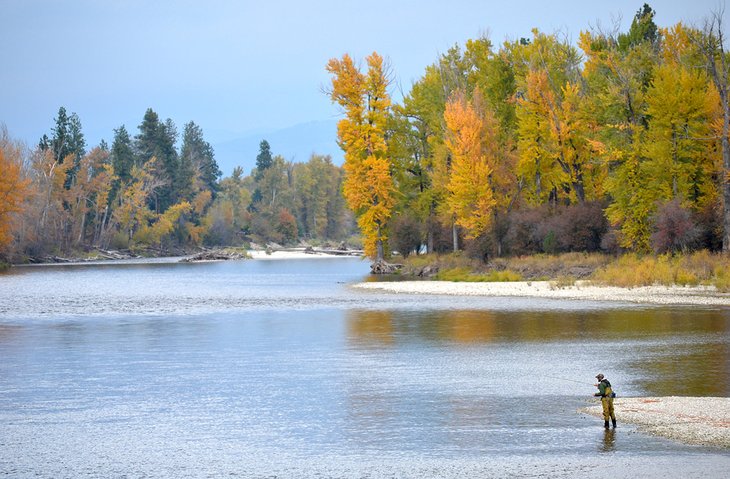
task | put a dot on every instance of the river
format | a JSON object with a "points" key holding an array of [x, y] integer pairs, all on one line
{"points": [[277, 368]]}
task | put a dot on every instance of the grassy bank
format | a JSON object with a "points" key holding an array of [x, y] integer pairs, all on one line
{"points": [[699, 268]]}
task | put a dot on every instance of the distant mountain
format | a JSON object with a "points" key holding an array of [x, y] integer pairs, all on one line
{"points": [[296, 143]]}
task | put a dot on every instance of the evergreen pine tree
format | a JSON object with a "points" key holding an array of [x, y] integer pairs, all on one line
{"points": [[122, 154], [264, 160], [197, 159], [157, 139], [61, 133]]}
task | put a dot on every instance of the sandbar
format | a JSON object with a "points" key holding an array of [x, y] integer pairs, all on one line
{"points": [[702, 421], [581, 290]]}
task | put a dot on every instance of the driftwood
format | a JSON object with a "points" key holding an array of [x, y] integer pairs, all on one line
{"points": [[314, 251], [383, 267], [112, 254], [335, 252], [213, 256]]}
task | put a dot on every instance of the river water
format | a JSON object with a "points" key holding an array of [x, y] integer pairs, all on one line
{"points": [[276, 368]]}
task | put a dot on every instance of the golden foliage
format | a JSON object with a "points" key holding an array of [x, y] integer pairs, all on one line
{"points": [[12, 192], [471, 138], [368, 184]]}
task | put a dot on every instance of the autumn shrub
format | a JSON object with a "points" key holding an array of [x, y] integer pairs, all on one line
{"points": [[579, 227], [524, 233], [480, 248], [261, 228], [565, 228], [405, 235], [709, 224], [674, 229], [442, 237], [286, 227], [610, 243]]}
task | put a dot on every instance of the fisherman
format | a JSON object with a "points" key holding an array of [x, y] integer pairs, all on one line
{"points": [[605, 392]]}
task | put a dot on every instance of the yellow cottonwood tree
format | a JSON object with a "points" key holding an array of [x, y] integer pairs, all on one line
{"points": [[368, 184], [132, 213], [680, 163], [617, 79], [163, 225], [12, 192], [472, 140]]}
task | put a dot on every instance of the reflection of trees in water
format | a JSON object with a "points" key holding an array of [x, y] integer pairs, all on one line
{"points": [[374, 327], [687, 369], [389, 327], [673, 351]]}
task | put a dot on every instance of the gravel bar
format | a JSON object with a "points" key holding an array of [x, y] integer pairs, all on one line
{"points": [[703, 421], [581, 290]]}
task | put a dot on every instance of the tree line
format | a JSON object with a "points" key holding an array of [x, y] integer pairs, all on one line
{"points": [[143, 192], [619, 143]]}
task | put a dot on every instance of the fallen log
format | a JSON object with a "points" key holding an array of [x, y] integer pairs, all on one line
{"points": [[383, 267], [213, 256]]}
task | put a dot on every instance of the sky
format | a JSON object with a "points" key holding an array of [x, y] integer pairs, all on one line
{"points": [[240, 68]]}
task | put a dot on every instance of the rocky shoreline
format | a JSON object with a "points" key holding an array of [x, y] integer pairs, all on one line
{"points": [[195, 256], [702, 421], [581, 290]]}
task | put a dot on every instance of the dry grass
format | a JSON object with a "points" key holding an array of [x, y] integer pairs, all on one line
{"points": [[567, 267], [692, 269], [464, 274], [629, 270], [458, 267]]}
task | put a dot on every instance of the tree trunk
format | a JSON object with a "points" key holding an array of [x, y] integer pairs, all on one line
{"points": [[580, 192], [713, 46], [726, 185], [379, 250], [81, 231], [380, 253], [455, 237]]}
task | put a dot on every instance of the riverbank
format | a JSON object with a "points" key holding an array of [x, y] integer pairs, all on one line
{"points": [[188, 256], [580, 290], [702, 421], [303, 253], [699, 268]]}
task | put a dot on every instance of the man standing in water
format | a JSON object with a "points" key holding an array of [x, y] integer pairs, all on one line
{"points": [[605, 392]]}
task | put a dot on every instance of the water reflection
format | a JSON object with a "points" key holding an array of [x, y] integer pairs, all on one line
{"points": [[667, 351], [686, 369], [609, 441], [262, 360], [525, 326]]}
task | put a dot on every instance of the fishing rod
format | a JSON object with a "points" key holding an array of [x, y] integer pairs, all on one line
{"points": [[570, 380]]}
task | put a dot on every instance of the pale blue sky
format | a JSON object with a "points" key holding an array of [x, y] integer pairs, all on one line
{"points": [[235, 67]]}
